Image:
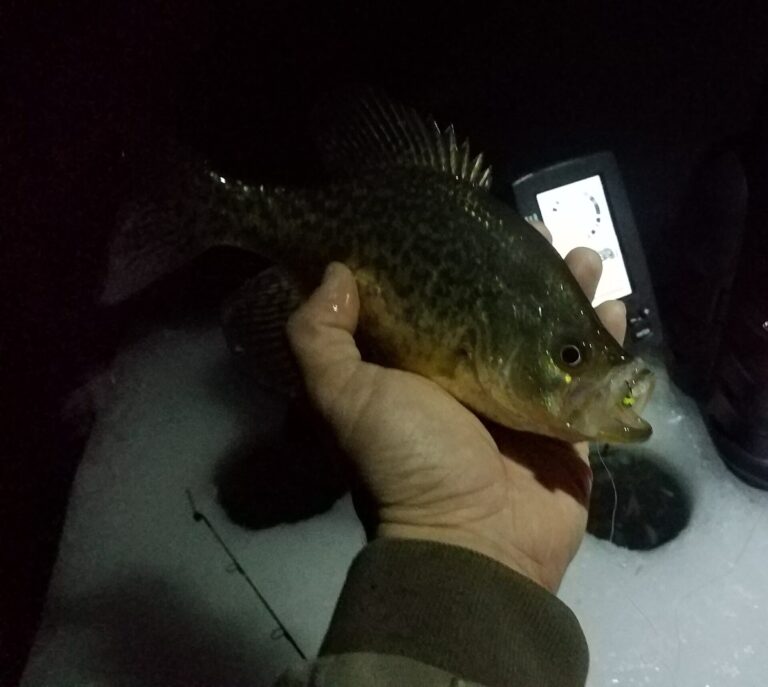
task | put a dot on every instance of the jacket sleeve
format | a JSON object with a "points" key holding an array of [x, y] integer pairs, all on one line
{"points": [[421, 613]]}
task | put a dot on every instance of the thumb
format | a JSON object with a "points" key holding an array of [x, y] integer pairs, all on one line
{"points": [[321, 334]]}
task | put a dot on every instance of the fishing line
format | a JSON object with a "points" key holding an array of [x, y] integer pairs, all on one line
{"points": [[281, 630], [615, 493]]}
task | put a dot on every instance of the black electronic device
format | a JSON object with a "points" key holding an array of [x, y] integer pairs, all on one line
{"points": [[583, 203]]}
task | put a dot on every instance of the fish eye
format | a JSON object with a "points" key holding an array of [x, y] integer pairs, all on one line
{"points": [[571, 355]]}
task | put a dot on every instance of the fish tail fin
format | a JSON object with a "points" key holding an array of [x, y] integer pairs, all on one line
{"points": [[165, 231]]}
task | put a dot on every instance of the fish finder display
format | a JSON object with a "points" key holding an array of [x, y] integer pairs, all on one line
{"points": [[577, 214]]}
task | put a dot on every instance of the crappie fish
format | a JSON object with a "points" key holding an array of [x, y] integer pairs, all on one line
{"points": [[454, 285]]}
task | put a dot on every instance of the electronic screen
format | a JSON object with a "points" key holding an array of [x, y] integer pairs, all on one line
{"points": [[577, 214]]}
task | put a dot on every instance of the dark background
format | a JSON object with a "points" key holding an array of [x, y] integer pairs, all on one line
{"points": [[91, 91]]}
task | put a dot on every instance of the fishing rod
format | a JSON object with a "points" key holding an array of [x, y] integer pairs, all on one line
{"points": [[282, 630]]}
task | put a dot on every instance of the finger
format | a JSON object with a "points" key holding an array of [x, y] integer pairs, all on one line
{"points": [[321, 330], [613, 315], [587, 267], [541, 228]]}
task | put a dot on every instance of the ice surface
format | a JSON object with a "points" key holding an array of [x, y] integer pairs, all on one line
{"points": [[143, 595], [693, 612]]}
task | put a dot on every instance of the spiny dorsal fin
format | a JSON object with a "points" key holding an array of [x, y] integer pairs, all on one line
{"points": [[369, 131]]}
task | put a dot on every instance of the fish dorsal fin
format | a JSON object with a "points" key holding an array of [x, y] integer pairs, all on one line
{"points": [[369, 131]]}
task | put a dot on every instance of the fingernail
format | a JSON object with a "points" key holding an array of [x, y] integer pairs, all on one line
{"points": [[332, 275]]}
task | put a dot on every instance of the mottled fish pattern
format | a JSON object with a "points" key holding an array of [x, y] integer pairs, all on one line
{"points": [[454, 284]]}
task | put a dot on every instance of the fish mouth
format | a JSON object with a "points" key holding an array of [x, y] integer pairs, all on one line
{"points": [[613, 411]]}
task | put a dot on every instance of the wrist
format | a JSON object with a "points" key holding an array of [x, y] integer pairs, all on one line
{"points": [[476, 540]]}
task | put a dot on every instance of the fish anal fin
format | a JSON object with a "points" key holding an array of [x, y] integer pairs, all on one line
{"points": [[254, 321]]}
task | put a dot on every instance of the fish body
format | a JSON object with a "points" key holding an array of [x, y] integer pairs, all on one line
{"points": [[454, 285]]}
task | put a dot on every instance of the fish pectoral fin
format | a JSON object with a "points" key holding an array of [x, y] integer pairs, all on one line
{"points": [[368, 131], [254, 321]]}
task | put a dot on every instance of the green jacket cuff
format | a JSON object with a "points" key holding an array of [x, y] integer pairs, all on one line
{"points": [[460, 611]]}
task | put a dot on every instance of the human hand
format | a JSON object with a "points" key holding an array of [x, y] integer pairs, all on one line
{"points": [[432, 469]]}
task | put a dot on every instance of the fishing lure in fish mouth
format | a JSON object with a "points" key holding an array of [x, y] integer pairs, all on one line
{"points": [[614, 412], [454, 285]]}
